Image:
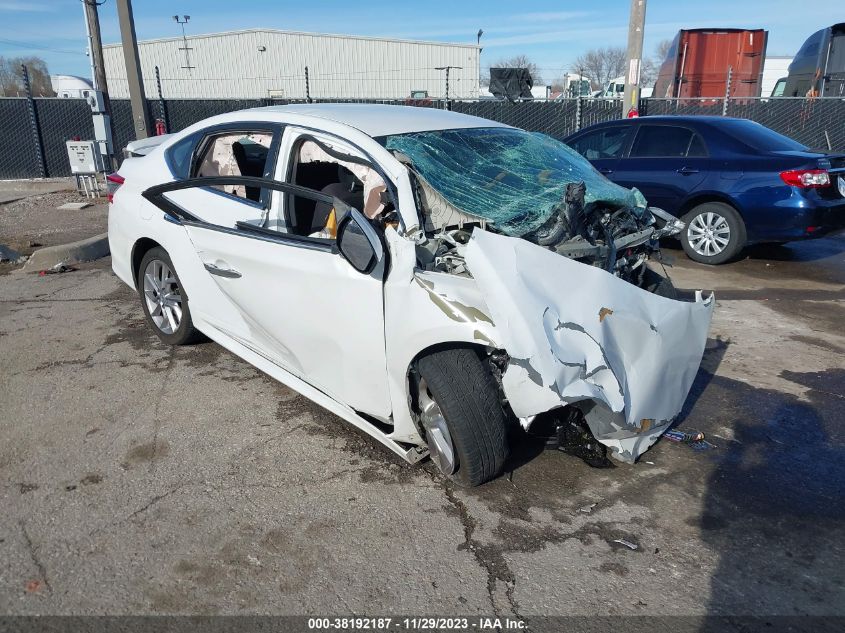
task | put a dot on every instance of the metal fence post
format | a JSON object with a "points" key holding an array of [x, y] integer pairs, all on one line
{"points": [[33, 122], [307, 87], [161, 105], [578, 107], [727, 91]]}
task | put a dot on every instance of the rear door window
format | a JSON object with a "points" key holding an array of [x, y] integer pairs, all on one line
{"points": [[604, 143], [235, 154], [666, 141]]}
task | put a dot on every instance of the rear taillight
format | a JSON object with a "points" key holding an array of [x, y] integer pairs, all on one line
{"points": [[806, 178], [113, 182]]}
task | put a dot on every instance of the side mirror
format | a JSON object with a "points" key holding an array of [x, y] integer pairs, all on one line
{"points": [[358, 242]]}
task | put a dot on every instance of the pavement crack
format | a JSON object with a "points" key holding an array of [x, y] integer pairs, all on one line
{"points": [[33, 554], [489, 557], [154, 501]]}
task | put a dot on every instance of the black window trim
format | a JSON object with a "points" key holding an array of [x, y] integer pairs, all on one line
{"points": [[693, 133], [175, 213]]}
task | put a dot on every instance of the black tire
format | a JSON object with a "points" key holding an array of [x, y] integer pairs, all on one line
{"points": [[464, 388], [186, 333], [736, 239]]}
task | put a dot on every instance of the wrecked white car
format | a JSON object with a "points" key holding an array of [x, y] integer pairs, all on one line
{"points": [[438, 280]]}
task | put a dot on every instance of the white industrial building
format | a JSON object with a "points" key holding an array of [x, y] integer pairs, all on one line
{"points": [[259, 63]]}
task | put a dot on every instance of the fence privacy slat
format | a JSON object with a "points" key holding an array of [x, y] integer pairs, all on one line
{"points": [[818, 123]]}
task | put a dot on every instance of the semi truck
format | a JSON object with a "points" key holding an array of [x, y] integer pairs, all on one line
{"points": [[818, 69], [712, 63]]}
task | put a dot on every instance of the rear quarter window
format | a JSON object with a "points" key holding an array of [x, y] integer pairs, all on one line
{"points": [[179, 156]]}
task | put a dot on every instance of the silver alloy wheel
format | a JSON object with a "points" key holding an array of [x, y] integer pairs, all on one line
{"points": [[161, 293], [436, 432], [709, 233]]}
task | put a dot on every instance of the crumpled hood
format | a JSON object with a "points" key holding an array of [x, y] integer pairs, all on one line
{"points": [[575, 332]]}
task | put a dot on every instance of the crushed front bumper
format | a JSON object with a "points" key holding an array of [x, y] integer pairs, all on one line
{"points": [[577, 334]]}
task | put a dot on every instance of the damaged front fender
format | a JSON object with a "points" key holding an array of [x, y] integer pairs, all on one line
{"points": [[577, 334]]}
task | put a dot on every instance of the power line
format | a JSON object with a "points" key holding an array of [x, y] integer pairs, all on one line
{"points": [[36, 47]]}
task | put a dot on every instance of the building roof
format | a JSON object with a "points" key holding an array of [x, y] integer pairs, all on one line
{"points": [[178, 38], [374, 119]]}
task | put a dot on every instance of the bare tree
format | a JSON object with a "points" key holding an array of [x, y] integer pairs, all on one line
{"points": [[651, 66], [662, 49], [601, 64], [517, 61], [11, 77]]}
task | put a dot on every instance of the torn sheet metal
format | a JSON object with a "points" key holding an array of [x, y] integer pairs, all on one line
{"points": [[576, 333]]}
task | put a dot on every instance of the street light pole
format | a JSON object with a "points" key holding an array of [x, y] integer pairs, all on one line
{"points": [[478, 44], [636, 29]]}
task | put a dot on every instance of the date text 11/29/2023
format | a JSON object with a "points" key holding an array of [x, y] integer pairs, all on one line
{"points": [[422, 623]]}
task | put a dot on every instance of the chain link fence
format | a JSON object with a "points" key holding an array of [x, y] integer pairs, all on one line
{"points": [[35, 137]]}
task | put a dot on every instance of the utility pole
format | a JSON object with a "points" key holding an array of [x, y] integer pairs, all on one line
{"points": [[133, 69], [636, 29], [101, 108], [93, 20]]}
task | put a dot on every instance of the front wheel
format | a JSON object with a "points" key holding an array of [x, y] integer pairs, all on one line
{"points": [[714, 233], [462, 415], [163, 299]]}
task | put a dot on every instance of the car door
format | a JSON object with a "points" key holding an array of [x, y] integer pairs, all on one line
{"points": [[603, 147], [666, 163], [240, 149], [305, 308]]}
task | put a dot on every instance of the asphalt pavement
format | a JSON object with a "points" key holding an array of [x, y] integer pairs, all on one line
{"points": [[138, 478]]}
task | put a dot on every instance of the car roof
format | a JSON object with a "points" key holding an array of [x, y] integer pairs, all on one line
{"points": [[691, 119], [375, 119]]}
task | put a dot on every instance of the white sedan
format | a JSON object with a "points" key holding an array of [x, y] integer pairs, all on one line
{"points": [[440, 281]]}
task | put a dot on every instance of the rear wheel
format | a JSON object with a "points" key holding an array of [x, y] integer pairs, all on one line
{"points": [[164, 300], [462, 415], [714, 233]]}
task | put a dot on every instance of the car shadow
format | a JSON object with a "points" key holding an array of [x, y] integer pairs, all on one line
{"points": [[772, 507]]}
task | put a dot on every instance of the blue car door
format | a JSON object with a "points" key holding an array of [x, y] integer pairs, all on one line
{"points": [[603, 147], [666, 163]]}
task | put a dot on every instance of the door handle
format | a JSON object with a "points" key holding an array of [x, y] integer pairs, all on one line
{"points": [[222, 272], [605, 170], [686, 171]]}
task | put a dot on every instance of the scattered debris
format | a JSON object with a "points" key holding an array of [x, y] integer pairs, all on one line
{"points": [[253, 560], [33, 586], [8, 254], [680, 436], [694, 440], [628, 544], [588, 509], [73, 206], [61, 267]]}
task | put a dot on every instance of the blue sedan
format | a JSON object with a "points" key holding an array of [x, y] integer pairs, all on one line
{"points": [[732, 181]]}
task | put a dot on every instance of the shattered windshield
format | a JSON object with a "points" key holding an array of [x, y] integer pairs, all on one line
{"points": [[509, 176]]}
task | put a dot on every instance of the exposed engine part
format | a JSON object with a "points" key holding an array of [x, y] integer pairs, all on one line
{"points": [[619, 240], [565, 430]]}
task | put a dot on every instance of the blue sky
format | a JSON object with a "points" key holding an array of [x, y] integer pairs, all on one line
{"points": [[552, 33]]}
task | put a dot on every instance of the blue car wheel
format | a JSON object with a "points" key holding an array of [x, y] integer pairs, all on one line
{"points": [[714, 233]]}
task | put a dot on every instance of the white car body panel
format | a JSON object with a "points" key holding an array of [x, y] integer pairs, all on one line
{"points": [[298, 314], [579, 333]]}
